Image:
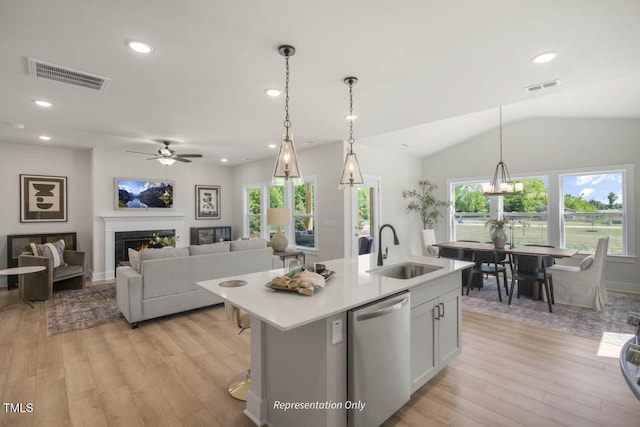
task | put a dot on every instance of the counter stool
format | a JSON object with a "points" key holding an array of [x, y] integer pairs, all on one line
{"points": [[240, 384]]}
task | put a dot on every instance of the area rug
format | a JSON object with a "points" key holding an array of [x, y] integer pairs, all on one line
{"points": [[573, 320], [83, 308]]}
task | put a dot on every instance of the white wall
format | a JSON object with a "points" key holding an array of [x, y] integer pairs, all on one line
{"points": [[109, 164], [16, 159], [397, 172], [540, 145], [323, 161]]}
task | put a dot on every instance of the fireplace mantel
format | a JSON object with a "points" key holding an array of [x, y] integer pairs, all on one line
{"points": [[135, 223]]}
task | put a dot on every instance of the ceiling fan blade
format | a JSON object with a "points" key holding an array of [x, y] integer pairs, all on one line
{"points": [[154, 158], [140, 152], [180, 159], [189, 155]]}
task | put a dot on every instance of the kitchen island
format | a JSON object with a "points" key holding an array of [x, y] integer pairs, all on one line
{"points": [[300, 344]]}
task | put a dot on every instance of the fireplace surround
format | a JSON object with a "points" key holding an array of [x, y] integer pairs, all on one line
{"points": [[113, 224]]}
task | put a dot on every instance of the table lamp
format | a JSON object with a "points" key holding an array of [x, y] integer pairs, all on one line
{"points": [[279, 216]]}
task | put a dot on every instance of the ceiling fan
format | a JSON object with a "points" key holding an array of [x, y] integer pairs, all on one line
{"points": [[167, 156]]}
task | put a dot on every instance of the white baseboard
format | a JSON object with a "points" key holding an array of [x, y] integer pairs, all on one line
{"points": [[623, 287]]}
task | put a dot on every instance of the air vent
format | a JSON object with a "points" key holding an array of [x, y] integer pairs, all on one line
{"points": [[540, 86], [67, 75]]}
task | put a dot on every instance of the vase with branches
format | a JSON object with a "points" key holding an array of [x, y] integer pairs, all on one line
{"points": [[424, 203]]}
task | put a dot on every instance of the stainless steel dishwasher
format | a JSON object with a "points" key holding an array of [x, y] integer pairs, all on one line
{"points": [[379, 360]]}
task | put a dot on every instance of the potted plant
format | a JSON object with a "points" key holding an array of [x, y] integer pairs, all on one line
{"points": [[423, 202], [498, 234]]}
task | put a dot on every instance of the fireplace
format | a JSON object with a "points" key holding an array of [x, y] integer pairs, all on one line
{"points": [[125, 240], [114, 224]]}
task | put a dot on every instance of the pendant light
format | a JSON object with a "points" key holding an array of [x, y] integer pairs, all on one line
{"points": [[287, 161], [351, 175], [501, 184]]}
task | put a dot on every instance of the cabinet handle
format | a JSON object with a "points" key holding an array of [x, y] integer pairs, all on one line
{"points": [[441, 305], [436, 316]]}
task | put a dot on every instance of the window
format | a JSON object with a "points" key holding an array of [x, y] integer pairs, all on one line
{"points": [[301, 199], [593, 206], [304, 214], [253, 207], [564, 209]]}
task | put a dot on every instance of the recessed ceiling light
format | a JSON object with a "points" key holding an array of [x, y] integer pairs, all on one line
{"points": [[544, 57], [42, 103], [273, 92], [139, 47], [224, 160], [273, 146], [45, 137], [350, 117]]}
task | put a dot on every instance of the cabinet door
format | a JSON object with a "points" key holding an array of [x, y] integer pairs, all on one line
{"points": [[449, 331], [424, 356]]}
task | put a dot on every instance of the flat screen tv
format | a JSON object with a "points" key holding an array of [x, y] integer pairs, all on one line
{"points": [[134, 193]]}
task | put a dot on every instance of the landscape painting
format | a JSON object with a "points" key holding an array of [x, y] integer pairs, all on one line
{"points": [[144, 194]]}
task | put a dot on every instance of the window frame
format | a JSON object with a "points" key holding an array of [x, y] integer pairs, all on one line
{"points": [[555, 203], [288, 230]]}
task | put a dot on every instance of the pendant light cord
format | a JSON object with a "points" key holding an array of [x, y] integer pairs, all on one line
{"points": [[351, 140], [287, 122], [501, 134]]}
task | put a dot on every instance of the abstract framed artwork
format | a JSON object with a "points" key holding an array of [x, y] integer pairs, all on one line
{"points": [[43, 198], [207, 202]]}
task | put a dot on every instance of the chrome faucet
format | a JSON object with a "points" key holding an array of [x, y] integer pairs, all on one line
{"points": [[395, 241]]}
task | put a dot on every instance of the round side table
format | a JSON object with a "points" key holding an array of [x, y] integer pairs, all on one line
{"points": [[18, 271]]}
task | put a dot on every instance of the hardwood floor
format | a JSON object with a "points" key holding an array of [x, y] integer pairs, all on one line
{"points": [[174, 371]]}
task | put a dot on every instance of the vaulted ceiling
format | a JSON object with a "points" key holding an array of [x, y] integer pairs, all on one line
{"points": [[432, 73]]}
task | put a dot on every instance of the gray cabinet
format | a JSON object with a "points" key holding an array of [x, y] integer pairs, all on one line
{"points": [[435, 328]]}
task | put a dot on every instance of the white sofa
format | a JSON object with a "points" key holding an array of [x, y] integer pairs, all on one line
{"points": [[582, 286], [163, 281]]}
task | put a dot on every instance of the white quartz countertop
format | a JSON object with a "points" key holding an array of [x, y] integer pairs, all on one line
{"points": [[349, 287]]}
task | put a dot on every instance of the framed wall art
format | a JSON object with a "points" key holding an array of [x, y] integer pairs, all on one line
{"points": [[143, 194], [43, 198], [207, 202]]}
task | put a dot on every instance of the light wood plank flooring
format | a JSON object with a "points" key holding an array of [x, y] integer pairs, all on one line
{"points": [[174, 371]]}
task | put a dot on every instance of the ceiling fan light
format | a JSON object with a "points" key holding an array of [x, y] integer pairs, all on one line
{"points": [[167, 161]]}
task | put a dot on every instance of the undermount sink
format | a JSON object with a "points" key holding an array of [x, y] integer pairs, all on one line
{"points": [[405, 270]]}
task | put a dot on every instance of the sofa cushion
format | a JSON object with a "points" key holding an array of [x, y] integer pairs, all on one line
{"points": [[247, 245], [134, 259], [66, 272], [211, 248], [586, 262], [161, 253], [54, 251]]}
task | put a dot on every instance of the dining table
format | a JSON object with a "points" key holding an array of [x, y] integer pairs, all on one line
{"points": [[527, 288]]}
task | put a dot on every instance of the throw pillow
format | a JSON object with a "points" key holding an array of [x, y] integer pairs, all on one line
{"points": [[134, 259], [54, 250], [586, 263]]}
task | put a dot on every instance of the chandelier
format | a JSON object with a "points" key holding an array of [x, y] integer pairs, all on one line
{"points": [[501, 184]]}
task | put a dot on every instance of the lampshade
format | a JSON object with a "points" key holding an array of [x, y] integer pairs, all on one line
{"points": [[278, 216], [166, 161]]}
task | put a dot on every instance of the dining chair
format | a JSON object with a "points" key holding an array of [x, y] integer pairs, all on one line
{"points": [[532, 268], [487, 263]]}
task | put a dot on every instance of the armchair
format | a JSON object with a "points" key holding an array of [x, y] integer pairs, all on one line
{"points": [[583, 286], [39, 286]]}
